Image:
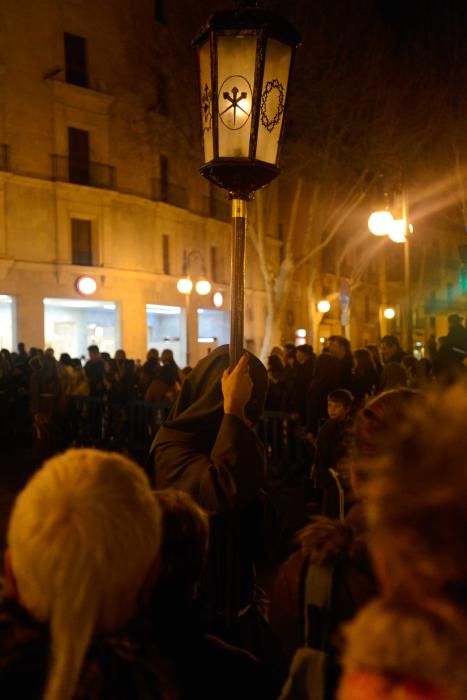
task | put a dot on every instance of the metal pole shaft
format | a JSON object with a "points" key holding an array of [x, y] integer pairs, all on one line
{"points": [[187, 314], [408, 340], [408, 299], [237, 279]]}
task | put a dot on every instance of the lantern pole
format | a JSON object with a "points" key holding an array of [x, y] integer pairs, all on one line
{"points": [[237, 277]]}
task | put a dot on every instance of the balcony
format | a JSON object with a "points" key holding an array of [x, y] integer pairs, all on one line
{"points": [[83, 172], [4, 157], [163, 191]]}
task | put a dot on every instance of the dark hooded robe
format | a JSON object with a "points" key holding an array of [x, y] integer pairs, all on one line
{"points": [[219, 461]]}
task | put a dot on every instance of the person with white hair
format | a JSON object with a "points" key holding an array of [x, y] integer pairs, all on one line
{"points": [[83, 545]]}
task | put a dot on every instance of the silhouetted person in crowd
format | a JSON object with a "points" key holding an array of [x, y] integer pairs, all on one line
{"points": [[46, 404], [339, 550], [205, 667], [449, 360], [167, 360], [208, 447], [325, 380], [339, 347], [393, 377], [95, 371], [305, 367], [411, 643], [365, 379], [332, 441], [275, 397], [391, 349], [376, 357], [83, 543], [22, 355]]}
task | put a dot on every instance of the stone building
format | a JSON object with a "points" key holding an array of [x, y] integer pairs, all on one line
{"points": [[99, 177]]}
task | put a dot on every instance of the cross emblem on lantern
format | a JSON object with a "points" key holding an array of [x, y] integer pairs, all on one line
{"points": [[234, 102]]}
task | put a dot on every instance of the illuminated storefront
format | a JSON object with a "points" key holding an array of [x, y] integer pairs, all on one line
{"points": [[71, 325]]}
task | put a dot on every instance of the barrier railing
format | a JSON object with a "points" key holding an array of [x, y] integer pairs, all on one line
{"points": [[132, 426]]}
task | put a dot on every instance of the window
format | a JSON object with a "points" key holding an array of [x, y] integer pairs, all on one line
{"points": [[165, 255], [76, 71], [164, 177], [81, 242], [162, 94], [78, 155], [160, 11], [214, 264]]}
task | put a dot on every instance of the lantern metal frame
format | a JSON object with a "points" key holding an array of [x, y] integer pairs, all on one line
{"points": [[242, 176]]}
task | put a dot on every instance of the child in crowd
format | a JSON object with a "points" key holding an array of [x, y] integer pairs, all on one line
{"points": [[331, 450]]}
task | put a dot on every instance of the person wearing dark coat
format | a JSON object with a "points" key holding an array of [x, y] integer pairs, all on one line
{"points": [[449, 359], [325, 380], [95, 371], [204, 666], [340, 348], [302, 378], [208, 449], [391, 349], [365, 379]]}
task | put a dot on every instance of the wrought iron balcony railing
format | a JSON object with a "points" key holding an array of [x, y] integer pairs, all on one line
{"points": [[83, 172], [163, 191]]}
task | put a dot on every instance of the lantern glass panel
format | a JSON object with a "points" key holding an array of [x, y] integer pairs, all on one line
{"points": [[236, 71], [273, 98], [206, 100]]}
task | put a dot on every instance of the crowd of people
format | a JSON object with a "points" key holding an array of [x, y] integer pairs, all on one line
{"points": [[114, 590]]}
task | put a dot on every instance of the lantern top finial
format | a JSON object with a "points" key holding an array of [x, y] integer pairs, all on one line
{"points": [[249, 15]]}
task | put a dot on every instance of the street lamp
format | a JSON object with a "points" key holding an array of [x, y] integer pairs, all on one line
{"points": [[380, 222], [245, 61], [398, 230], [389, 313], [323, 306], [185, 286]]}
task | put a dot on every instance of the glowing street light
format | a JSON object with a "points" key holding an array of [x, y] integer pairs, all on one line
{"points": [[389, 313], [86, 285], [301, 333], [380, 222], [184, 285], [203, 287], [323, 306], [397, 231], [218, 299]]}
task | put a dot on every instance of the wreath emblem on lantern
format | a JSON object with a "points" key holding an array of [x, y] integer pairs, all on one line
{"points": [[272, 104], [206, 100]]}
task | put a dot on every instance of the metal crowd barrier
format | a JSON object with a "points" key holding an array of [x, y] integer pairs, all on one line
{"points": [[133, 426]]}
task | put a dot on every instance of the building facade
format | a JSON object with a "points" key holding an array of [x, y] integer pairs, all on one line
{"points": [[98, 178]]}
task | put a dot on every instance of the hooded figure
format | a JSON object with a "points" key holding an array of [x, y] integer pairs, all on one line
{"points": [[208, 449]]}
